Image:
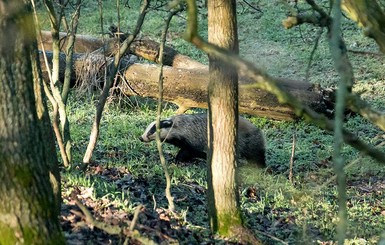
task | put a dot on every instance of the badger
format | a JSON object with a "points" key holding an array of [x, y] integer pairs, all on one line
{"points": [[189, 133]]}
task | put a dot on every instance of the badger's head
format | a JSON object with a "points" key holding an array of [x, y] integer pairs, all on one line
{"points": [[149, 133]]}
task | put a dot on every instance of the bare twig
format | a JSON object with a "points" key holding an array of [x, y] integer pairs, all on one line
{"points": [[135, 219], [312, 54], [67, 77], [251, 6], [292, 158], [111, 229], [169, 197], [71, 36], [366, 53], [318, 9], [54, 82], [344, 69], [55, 127], [110, 78], [364, 109], [54, 103]]}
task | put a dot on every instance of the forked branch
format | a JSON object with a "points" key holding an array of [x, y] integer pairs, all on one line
{"points": [[110, 78]]}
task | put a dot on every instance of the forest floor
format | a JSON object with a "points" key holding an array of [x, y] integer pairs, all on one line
{"points": [[125, 181]]}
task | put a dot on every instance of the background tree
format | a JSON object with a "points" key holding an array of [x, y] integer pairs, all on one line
{"points": [[27, 205], [223, 197]]}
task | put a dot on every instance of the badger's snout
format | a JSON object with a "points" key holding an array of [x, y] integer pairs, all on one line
{"points": [[144, 138]]}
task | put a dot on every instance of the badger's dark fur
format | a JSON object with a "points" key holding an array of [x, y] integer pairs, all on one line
{"points": [[189, 133]]}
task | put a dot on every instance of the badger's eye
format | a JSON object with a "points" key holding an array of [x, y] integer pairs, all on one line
{"points": [[152, 130]]}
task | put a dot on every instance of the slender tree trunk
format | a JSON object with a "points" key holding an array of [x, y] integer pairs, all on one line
{"points": [[67, 141], [224, 212], [61, 112], [344, 69], [27, 204]]}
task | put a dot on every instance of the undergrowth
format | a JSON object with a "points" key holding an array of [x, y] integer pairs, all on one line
{"points": [[126, 173]]}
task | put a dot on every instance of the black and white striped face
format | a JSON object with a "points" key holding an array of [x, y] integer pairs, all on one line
{"points": [[149, 133]]}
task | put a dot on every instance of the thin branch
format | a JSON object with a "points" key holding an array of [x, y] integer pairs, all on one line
{"points": [[70, 50], [312, 54], [299, 19], [360, 106], [366, 53], [342, 68], [54, 82], [111, 229], [55, 125], [292, 158], [65, 124], [136, 216], [353, 101], [113, 70], [251, 6], [169, 197], [318, 9]]}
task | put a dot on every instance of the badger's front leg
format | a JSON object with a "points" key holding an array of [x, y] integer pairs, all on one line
{"points": [[188, 154], [184, 155]]}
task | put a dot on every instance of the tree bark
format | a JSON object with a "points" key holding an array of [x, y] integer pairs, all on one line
{"points": [[223, 197], [27, 205]]}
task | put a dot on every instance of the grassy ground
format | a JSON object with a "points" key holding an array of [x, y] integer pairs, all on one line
{"points": [[126, 172]]}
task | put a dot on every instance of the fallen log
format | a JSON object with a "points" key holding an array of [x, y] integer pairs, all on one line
{"points": [[142, 80], [188, 87], [142, 47]]}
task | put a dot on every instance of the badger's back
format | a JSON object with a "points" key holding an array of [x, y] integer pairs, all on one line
{"points": [[189, 130]]}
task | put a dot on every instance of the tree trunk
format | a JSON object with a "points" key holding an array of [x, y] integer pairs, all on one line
{"points": [[27, 204], [223, 197]]}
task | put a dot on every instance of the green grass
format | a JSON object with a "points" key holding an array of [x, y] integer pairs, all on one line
{"points": [[301, 212], [305, 209]]}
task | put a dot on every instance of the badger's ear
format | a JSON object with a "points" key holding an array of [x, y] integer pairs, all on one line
{"points": [[167, 123]]}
